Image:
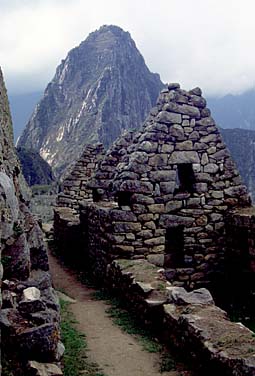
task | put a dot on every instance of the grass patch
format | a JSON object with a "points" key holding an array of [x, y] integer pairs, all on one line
{"points": [[75, 360], [129, 324]]}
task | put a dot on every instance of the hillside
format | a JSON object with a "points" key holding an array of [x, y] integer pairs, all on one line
{"points": [[241, 143], [102, 88], [234, 111], [35, 169]]}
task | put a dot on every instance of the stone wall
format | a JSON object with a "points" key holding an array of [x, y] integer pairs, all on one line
{"points": [[166, 201], [190, 322], [74, 187], [101, 182], [174, 185], [30, 311]]}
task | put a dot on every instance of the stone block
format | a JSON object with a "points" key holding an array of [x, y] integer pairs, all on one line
{"points": [[120, 227], [156, 208], [168, 118], [184, 109], [43, 369], [173, 205], [162, 175], [170, 220], [158, 160], [180, 296], [155, 241], [185, 145], [184, 157], [211, 168]]}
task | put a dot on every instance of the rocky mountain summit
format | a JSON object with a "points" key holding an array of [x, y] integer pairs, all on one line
{"points": [[102, 88]]}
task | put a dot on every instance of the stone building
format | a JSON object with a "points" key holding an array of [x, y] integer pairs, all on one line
{"points": [[169, 210], [164, 193]]}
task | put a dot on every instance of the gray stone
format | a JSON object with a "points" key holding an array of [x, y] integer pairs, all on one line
{"points": [[196, 91], [136, 186], [31, 294], [170, 220], [158, 160], [169, 118], [173, 205], [167, 187], [211, 168], [185, 145], [182, 109], [210, 138], [180, 296], [198, 101], [235, 191], [177, 131], [123, 227], [173, 86], [184, 157], [122, 215], [162, 175], [157, 260], [44, 369], [148, 146]]}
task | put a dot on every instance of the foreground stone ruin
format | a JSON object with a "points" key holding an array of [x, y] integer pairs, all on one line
{"points": [[29, 320], [161, 203]]}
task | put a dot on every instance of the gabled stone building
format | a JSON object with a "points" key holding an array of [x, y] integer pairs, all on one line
{"points": [[168, 196]]}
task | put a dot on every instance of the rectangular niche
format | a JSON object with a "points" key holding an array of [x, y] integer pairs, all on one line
{"points": [[124, 198], [174, 247], [185, 178]]}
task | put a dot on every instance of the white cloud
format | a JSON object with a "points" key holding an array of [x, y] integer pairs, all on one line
{"points": [[198, 43]]}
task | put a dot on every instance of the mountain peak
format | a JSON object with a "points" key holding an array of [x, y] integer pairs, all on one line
{"points": [[102, 88]]}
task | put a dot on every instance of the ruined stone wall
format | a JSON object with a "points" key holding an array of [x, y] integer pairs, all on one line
{"points": [[165, 231], [190, 322], [175, 184], [101, 182], [30, 311], [74, 187]]}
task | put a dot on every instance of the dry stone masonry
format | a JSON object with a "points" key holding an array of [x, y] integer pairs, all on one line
{"points": [[74, 187], [163, 200]]}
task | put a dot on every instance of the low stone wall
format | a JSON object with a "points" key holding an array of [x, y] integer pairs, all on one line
{"points": [[189, 321]]}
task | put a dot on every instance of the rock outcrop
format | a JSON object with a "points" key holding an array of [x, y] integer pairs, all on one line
{"points": [[102, 88], [30, 310]]}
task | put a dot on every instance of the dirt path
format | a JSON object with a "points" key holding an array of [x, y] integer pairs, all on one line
{"points": [[117, 353]]}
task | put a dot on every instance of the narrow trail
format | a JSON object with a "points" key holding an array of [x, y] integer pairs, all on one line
{"points": [[117, 353]]}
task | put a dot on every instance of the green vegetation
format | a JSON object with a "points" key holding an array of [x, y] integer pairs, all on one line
{"points": [[17, 229], [5, 260], [6, 366], [129, 324], [75, 359]]}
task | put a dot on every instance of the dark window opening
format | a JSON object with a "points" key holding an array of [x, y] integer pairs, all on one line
{"points": [[124, 198], [174, 247], [95, 195], [239, 254], [185, 178]]}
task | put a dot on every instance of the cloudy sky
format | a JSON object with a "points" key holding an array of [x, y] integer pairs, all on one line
{"points": [[206, 43]]}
